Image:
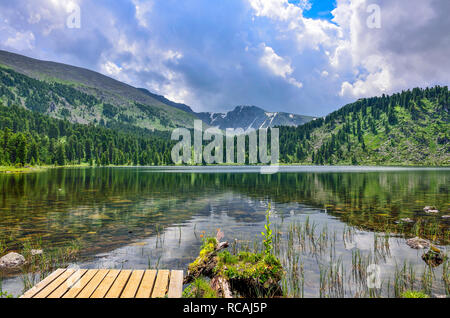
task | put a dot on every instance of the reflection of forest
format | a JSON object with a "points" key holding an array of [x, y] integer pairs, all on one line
{"points": [[106, 204]]}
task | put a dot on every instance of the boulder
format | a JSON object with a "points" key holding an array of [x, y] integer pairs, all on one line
{"points": [[417, 243], [11, 260]]}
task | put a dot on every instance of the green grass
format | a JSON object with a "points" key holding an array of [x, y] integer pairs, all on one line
{"points": [[199, 288], [12, 169], [30, 169], [246, 265], [414, 294]]}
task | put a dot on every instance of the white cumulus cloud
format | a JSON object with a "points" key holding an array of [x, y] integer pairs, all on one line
{"points": [[209, 54], [278, 65]]}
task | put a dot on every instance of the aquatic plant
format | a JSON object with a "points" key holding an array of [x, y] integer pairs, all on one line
{"points": [[251, 274], [446, 276], [4, 294], [247, 274], [3, 247], [268, 236], [38, 266], [200, 288], [413, 294]]}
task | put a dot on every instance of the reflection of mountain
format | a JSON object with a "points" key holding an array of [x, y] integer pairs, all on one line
{"points": [[105, 204]]}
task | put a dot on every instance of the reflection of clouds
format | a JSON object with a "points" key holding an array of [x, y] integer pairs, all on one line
{"points": [[363, 241], [178, 245], [176, 252]]}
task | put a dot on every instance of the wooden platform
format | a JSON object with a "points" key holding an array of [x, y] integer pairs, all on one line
{"points": [[109, 283]]}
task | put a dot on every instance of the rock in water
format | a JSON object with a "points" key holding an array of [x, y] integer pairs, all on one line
{"points": [[11, 260], [417, 243], [433, 258], [36, 252], [405, 220], [430, 209]]}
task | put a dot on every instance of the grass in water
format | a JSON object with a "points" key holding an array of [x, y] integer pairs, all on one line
{"points": [[414, 294]]}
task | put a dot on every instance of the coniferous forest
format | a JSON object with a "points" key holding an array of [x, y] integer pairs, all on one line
{"points": [[30, 138], [408, 128], [411, 127]]}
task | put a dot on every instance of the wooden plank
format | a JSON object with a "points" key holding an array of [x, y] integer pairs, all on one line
{"points": [[176, 284], [106, 284], [93, 284], [55, 284], [78, 287], [146, 287], [38, 287], [133, 284], [161, 284], [119, 284], [71, 281]]}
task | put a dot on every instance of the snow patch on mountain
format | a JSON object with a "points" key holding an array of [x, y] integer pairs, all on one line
{"points": [[252, 117]]}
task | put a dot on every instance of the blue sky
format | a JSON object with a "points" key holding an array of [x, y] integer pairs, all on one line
{"points": [[318, 9], [300, 56]]}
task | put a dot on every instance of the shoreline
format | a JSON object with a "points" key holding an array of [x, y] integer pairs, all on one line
{"points": [[15, 170], [31, 169]]}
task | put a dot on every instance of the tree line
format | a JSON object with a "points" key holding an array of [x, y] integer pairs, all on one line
{"points": [[417, 116], [354, 134], [31, 138]]}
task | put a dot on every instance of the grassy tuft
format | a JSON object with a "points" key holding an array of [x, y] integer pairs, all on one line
{"points": [[414, 294], [199, 288]]}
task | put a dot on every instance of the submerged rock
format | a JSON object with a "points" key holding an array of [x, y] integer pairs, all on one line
{"points": [[433, 258], [417, 243], [430, 209], [11, 260], [405, 220]]}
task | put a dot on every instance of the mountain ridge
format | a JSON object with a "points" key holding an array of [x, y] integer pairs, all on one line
{"points": [[114, 103], [252, 117], [411, 128], [147, 110]]}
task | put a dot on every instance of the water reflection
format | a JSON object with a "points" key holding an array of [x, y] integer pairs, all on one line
{"points": [[141, 217], [107, 206]]}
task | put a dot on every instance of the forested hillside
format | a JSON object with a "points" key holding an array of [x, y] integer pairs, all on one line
{"points": [[408, 128], [29, 138], [83, 96]]}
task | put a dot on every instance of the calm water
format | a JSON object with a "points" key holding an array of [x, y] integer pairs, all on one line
{"points": [[148, 217]]}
